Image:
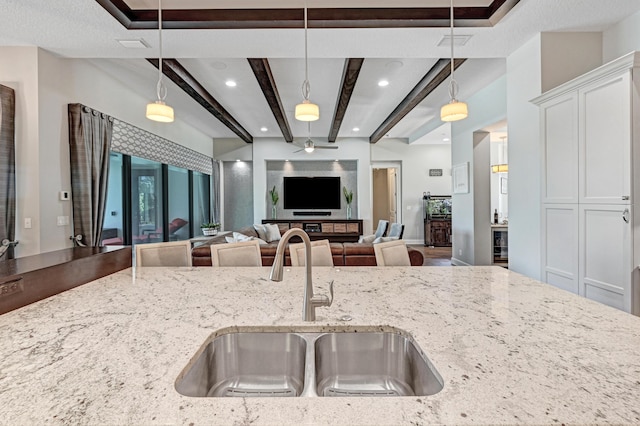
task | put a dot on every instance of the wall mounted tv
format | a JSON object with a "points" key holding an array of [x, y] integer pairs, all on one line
{"points": [[312, 193]]}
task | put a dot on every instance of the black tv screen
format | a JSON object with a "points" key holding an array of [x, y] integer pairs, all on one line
{"points": [[312, 193]]}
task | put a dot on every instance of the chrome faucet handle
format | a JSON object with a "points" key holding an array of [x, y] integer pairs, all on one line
{"points": [[322, 299]]}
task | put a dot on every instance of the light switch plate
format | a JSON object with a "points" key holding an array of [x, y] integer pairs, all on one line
{"points": [[27, 223], [64, 195]]}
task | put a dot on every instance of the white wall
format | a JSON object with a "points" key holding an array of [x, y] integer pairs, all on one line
{"points": [[486, 107], [19, 70], [416, 160], [621, 38], [265, 149], [44, 85], [542, 63], [524, 79], [565, 56]]}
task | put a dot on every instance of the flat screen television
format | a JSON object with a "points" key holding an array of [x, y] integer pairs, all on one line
{"points": [[312, 193]]}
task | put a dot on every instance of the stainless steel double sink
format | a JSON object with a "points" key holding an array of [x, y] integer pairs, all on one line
{"points": [[290, 364]]}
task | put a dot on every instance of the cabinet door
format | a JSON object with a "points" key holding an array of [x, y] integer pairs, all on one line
{"points": [[560, 246], [605, 254], [560, 149], [605, 141]]}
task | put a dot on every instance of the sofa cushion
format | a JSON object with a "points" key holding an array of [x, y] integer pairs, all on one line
{"points": [[358, 249]]}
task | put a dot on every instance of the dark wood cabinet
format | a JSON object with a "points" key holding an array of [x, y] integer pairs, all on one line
{"points": [[437, 232], [334, 230]]}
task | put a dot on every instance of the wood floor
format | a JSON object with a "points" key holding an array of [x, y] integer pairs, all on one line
{"points": [[435, 256]]}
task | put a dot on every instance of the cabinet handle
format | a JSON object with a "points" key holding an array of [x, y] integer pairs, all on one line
{"points": [[625, 198], [625, 215]]}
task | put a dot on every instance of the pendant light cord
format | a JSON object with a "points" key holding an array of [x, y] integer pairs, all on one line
{"points": [[306, 86], [453, 86], [161, 90]]}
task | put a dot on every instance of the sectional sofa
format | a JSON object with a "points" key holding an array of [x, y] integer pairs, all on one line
{"points": [[344, 254]]}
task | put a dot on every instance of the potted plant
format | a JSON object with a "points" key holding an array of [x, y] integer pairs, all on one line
{"points": [[210, 228], [274, 201], [348, 197]]}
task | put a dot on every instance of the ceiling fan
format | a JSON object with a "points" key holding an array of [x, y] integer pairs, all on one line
{"points": [[310, 146]]}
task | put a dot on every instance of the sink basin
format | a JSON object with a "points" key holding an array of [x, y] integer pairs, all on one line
{"points": [[372, 364], [247, 365], [282, 364]]}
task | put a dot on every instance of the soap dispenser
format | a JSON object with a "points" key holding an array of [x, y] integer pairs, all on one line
{"points": [[495, 216]]}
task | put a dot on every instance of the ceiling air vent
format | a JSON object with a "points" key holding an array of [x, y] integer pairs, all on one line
{"points": [[458, 40]]}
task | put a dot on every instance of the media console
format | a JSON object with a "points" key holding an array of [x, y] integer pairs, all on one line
{"points": [[334, 230]]}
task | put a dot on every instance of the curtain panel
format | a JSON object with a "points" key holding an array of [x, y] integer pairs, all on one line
{"points": [[90, 134], [216, 191], [7, 168]]}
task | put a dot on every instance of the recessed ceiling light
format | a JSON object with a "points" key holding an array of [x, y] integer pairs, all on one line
{"points": [[356, 129], [137, 43], [237, 160], [263, 129], [218, 65], [445, 140], [394, 64], [230, 83], [383, 83]]}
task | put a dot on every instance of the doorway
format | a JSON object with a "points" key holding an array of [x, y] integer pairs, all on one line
{"points": [[386, 197]]}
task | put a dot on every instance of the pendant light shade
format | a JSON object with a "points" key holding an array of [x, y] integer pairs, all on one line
{"points": [[158, 110], [454, 110], [307, 110]]}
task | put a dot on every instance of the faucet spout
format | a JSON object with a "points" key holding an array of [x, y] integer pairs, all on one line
{"points": [[310, 302]]}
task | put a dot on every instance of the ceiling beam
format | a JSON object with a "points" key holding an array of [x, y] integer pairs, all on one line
{"points": [[180, 76], [350, 74], [388, 17], [432, 79], [262, 71]]}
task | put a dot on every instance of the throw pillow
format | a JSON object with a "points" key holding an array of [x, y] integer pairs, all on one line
{"points": [[238, 237], [384, 239], [273, 233], [262, 231], [367, 239]]}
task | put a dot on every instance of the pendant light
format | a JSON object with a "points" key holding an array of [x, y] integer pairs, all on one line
{"points": [[158, 110], [454, 110], [306, 111]]}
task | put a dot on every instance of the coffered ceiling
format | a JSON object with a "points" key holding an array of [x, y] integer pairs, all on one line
{"points": [[214, 41]]}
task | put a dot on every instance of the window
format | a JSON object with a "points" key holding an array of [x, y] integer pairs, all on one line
{"points": [[149, 202]]}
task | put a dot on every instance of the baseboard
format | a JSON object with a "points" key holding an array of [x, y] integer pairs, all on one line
{"points": [[458, 262]]}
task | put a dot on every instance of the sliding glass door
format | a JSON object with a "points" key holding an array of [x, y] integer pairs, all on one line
{"points": [[151, 202]]}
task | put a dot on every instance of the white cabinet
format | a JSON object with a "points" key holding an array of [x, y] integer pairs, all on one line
{"points": [[605, 140], [605, 254], [560, 149], [590, 161]]}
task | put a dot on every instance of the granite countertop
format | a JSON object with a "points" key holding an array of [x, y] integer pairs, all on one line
{"points": [[509, 349]]}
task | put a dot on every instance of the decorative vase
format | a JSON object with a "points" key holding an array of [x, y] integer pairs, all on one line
{"points": [[348, 211], [274, 210]]}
